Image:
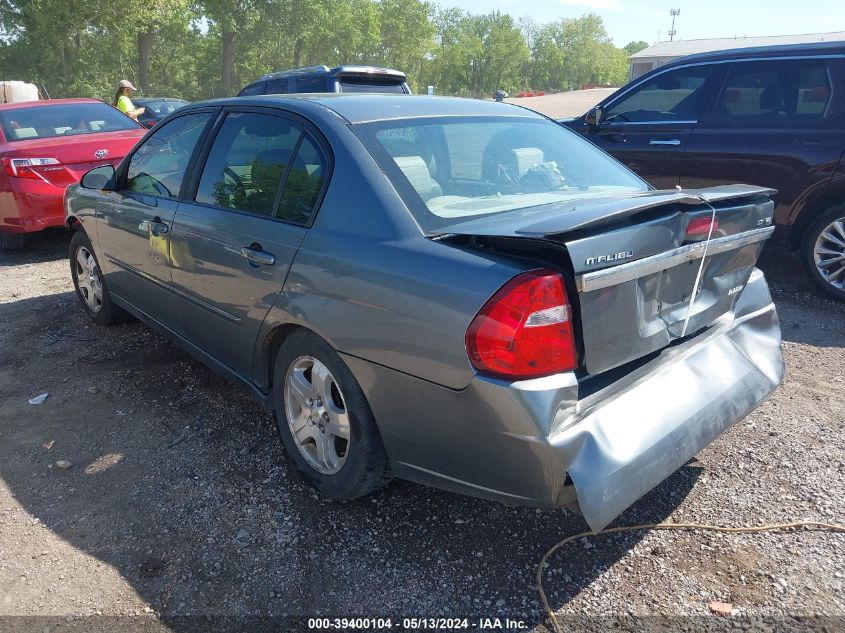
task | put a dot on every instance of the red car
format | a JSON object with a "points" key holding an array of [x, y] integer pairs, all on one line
{"points": [[46, 146]]}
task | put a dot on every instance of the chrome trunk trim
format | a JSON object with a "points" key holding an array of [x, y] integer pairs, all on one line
{"points": [[596, 280]]}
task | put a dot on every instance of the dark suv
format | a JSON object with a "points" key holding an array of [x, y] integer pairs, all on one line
{"points": [[772, 116], [325, 79]]}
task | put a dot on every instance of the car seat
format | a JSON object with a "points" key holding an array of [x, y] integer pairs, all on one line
{"points": [[417, 172], [772, 104]]}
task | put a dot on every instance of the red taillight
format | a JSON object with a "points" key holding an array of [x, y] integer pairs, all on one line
{"points": [[699, 228], [525, 329], [25, 167]]}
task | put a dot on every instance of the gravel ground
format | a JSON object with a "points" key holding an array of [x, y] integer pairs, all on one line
{"points": [[178, 500], [564, 104]]}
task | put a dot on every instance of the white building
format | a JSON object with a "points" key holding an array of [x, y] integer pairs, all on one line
{"points": [[664, 52]]}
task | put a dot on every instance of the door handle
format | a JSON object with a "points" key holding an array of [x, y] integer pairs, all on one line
{"points": [[673, 142], [154, 226], [157, 227], [255, 255]]}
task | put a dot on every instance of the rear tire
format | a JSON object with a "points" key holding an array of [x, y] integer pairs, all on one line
{"points": [[324, 420], [823, 251], [91, 288], [11, 241]]}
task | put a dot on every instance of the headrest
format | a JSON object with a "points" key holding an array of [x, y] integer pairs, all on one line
{"points": [[417, 173]]}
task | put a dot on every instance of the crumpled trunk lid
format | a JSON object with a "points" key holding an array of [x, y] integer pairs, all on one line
{"points": [[635, 263]]}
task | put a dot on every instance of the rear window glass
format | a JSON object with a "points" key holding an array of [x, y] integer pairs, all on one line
{"points": [[62, 120], [467, 166], [369, 85]]}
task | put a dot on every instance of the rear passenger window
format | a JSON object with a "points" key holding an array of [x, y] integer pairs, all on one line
{"points": [[313, 84], [158, 166], [303, 185], [247, 161], [813, 91], [265, 165], [252, 89], [277, 86], [766, 94]]}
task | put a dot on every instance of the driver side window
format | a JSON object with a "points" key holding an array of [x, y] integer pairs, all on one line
{"points": [[158, 166], [676, 95]]}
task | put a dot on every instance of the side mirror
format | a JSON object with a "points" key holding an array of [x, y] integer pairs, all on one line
{"points": [[594, 116], [100, 178]]}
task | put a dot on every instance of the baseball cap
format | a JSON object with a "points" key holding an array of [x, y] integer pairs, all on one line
{"points": [[125, 83]]}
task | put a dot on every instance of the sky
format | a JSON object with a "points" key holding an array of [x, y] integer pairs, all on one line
{"points": [[632, 20]]}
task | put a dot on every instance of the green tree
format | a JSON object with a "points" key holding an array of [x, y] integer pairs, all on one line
{"points": [[477, 54], [230, 19], [406, 34], [576, 51], [635, 47]]}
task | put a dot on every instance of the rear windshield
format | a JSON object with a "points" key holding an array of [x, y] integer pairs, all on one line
{"points": [[161, 108], [365, 84], [62, 120], [448, 168]]}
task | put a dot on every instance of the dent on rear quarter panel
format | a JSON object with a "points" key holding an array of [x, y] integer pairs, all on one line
{"points": [[367, 280]]}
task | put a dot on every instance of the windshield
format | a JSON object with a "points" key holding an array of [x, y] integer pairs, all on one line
{"points": [[452, 168], [64, 119]]}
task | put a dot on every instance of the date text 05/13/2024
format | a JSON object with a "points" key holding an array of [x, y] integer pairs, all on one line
{"points": [[414, 624]]}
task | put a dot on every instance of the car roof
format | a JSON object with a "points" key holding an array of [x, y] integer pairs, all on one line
{"points": [[337, 71], [45, 103], [159, 99], [363, 108], [781, 50]]}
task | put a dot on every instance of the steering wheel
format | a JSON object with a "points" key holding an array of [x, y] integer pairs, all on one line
{"points": [[239, 183]]}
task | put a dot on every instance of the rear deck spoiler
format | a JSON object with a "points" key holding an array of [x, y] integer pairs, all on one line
{"points": [[587, 214]]}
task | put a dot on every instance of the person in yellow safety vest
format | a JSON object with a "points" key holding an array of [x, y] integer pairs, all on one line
{"points": [[122, 101]]}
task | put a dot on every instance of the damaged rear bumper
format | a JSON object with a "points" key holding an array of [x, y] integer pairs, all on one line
{"points": [[517, 442], [623, 444]]}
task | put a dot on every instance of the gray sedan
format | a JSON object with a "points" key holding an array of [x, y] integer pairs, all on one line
{"points": [[457, 292]]}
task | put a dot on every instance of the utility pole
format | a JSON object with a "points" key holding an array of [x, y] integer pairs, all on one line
{"points": [[674, 13]]}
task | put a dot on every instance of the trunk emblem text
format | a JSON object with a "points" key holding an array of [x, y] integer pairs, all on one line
{"points": [[101, 153], [603, 259]]}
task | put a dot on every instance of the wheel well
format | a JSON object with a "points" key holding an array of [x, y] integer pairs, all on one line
{"points": [[829, 198], [72, 222], [274, 341]]}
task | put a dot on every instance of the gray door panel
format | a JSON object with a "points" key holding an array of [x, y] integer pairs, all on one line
{"points": [[134, 234], [223, 272], [135, 223]]}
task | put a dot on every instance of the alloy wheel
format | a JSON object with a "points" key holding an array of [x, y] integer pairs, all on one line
{"points": [[316, 414], [88, 279], [829, 253]]}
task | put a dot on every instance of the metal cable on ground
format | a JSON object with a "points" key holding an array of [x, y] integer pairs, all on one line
{"points": [[833, 527]]}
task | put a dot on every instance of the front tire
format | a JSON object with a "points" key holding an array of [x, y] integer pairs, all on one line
{"points": [[90, 286], [11, 241], [324, 420], [823, 251]]}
